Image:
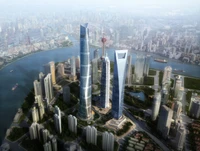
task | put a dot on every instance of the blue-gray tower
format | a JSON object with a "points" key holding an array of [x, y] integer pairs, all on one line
{"points": [[120, 69], [85, 111]]}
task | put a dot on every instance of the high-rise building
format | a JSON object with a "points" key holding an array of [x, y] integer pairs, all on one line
{"points": [[194, 108], [37, 87], [46, 69], [139, 69], [156, 106], [108, 141], [41, 78], [180, 138], [129, 76], [45, 135], [54, 144], [66, 94], [53, 72], [146, 65], [91, 135], [39, 108], [48, 87], [96, 54], [61, 69], [78, 62], [57, 120], [73, 66], [119, 77], [47, 146], [180, 94], [164, 95], [95, 74], [35, 115], [85, 111], [178, 85], [72, 123], [177, 110], [164, 120], [167, 74], [33, 131], [105, 83]]}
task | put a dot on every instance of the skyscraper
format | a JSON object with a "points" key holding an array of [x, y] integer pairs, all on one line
{"points": [[129, 71], [105, 83], [47, 146], [95, 74], [61, 69], [164, 95], [48, 87], [85, 111], [178, 84], [37, 87], [45, 135], [180, 138], [78, 62], [91, 135], [33, 131], [57, 120], [156, 106], [72, 123], [139, 69], [146, 65], [167, 74], [177, 110], [96, 54], [107, 141], [41, 78], [53, 72], [120, 66], [194, 108], [164, 121], [73, 66], [35, 115], [54, 144]]}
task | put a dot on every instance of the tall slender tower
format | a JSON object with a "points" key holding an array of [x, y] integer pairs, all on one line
{"points": [[85, 111], [48, 87], [156, 106], [53, 72], [167, 74], [120, 66], [105, 83]]}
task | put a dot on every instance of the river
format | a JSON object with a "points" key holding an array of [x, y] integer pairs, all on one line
{"points": [[26, 70]]}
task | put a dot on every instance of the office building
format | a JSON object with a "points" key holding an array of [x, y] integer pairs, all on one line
{"points": [[96, 54], [91, 135], [37, 87], [139, 69], [105, 83], [180, 94], [35, 115], [72, 123], [95, 74], [167, 74], [54, 144], [108, 141], [164, 121], [47, 69], [129, 76], [45, 135], [146, 65], [194, 108], [119, 77], [156, 106], [47, 146], [180, 138], [73, 66], [177, 110], [66, 94], [164, 95], [41, 78], [85, 111], [48, 88], [178, 85], [78, 62], [57, 120], [53, 72], [61, 69], [33, 131]]}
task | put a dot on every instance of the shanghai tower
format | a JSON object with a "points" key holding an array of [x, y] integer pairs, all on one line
{"points": [[85, 111]]}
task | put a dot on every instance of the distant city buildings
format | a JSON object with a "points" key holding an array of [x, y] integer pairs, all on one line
{"points": [[105, 83], [194, 108], [156, 106], [108, 141], [57, 120], [119, 77], [73, 66], [96, 54], [72, 123], [85, 111], [91, 135], [164, 121], [146, 65]]}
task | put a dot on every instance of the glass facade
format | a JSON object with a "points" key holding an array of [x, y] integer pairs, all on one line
{"points": [[120, 69], [85, 111]]}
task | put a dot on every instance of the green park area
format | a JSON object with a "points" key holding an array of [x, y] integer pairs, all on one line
{"points": [[17, 133], [124, 129], [192, 83], [28, 102], [32, 145], [148, 81], [152, 72]]}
